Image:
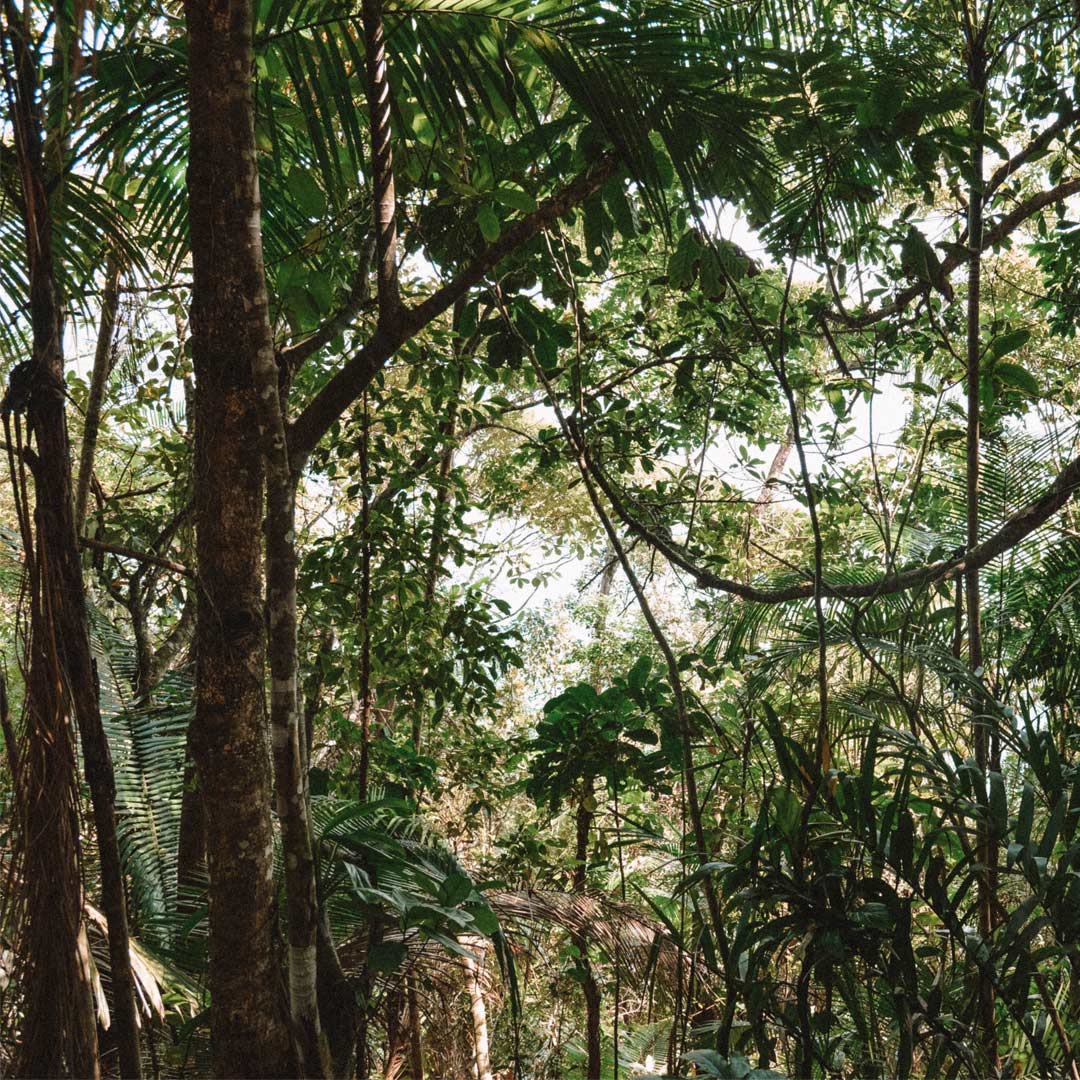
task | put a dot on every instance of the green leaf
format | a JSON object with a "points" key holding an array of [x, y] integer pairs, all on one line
{"points": [[307, 193], [423, 130], [1026, 815], [487, 922], [639, 673], [386, 957], [515, 197], [999, 814], [681, 265], [488, 221], [1009, 342], [1015, 375], [456, 889], [598, 230]]}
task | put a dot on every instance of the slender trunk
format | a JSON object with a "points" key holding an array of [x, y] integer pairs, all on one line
{"points": [[191, 854], [365, 612], [290, 775], [64, 661], [396, 1036], [478, 1010], [380, 106], [230, 330], [367, 990], [583, 820], [776, 468], [984, 758], [290, 779], [99, 377], [438, 532], [589, 474], [416, 1045]]}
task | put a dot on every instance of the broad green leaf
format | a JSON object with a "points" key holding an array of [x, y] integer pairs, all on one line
{"points": [[1015, 375], [309, 196], [488, 221]]}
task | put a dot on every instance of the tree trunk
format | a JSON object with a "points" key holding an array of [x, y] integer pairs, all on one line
{"points": [[337, 1003], [63, 676], [583, 827], [478, 1010], [984, 757], [397, 1036], [230, 330], [99, 377], [416, 1045], [290, 777]]}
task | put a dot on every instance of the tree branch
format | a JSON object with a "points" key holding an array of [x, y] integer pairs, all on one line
{"points": [[1015, 529], [1037, 144], [292, 356], [350, 381], [131, 553], [1005, 226]]}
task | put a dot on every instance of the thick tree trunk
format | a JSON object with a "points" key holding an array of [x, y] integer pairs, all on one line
{"points": [[63, 676], [231, 330], [337, 1004]]}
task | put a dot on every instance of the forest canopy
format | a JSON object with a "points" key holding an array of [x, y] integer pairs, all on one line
{"points": [[537, 539]]}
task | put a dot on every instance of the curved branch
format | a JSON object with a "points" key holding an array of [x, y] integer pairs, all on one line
{"points": [[1039, 143], [1015, 529]]}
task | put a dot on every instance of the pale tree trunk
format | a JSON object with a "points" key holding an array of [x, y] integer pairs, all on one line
{"points": [[776, 468], [62, 674], [290, 778], [99, 377], [477, 1009], [230, 333]]}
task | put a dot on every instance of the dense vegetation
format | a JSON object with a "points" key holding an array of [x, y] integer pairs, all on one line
{"points": [[538, 539]]}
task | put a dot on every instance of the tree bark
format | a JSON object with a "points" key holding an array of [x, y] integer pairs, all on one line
{"points": [[478, 1011], [230, 331], [99, 377], [290, 778], [986, 848], [582, 827], [337, 1003], [63, 676], [416, 1045], [776, 468]]}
